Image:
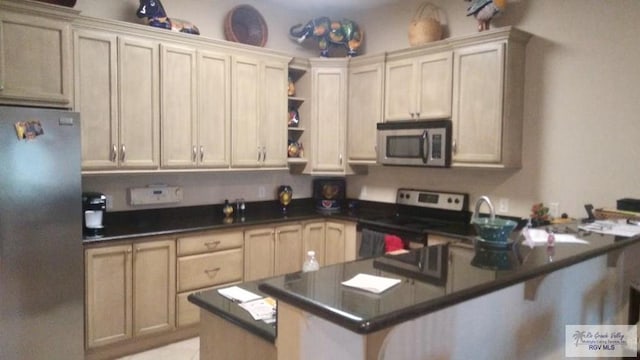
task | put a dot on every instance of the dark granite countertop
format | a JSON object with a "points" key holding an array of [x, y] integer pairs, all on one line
{"points": [[215, 303], [422, 292], [127, 225]]}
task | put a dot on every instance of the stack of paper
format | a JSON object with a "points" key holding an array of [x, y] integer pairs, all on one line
{"points": [[611, 227], [533, 237], [238, 294], [258, 307], [374, 284]]}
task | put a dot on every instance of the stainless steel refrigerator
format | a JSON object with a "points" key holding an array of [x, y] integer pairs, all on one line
{"points": [[41, 255]]}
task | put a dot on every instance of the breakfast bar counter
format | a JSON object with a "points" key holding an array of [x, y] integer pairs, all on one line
{"points": [[449, 295]]}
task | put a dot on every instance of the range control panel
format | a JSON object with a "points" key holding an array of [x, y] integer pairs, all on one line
{"points": [[433, 199]]}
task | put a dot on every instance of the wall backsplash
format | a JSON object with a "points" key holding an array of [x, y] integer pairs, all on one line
{"points": [[201, 188]]}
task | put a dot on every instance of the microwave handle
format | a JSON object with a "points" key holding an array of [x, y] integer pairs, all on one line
{"points": [[425, 146]]}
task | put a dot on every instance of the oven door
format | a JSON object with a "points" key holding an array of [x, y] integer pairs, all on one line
{"points": [[373, 238]]}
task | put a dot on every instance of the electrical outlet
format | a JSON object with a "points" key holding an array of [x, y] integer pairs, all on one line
{"points": [[554, 209], [109, 202], [261, 192], [503, 205]]}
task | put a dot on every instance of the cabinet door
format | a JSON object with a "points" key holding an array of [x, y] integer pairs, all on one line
{"points": [[138, 76], [96, 97], [259, 250], [435, 86], [179, 114], [154, 284], [288, 251], [273, 120], [214, 110], [365, 111], [329, 113], [35, 60], [313, 238], [108, 295], [477, 114], [335, 243], [246, 150], [399, 94]]}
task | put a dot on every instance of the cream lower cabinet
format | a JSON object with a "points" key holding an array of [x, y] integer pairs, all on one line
{"points": [[206, 260], [35, 55], [271, 251], [195, 123], [488, 95], [259, 112], [366, 95], [418, 85], [333, 241], [130, 291], [117, 95]]}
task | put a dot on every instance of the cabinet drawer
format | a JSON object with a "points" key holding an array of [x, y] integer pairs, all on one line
{"points": [[188, 313], [198, 271], [210, 241]]}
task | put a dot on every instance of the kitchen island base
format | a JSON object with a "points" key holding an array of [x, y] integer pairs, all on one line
{"points": [[221, 340]]}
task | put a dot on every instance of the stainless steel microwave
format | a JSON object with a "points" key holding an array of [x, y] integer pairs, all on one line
{"points": [[415, 143]]}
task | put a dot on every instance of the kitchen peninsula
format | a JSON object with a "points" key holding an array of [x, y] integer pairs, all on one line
{"points": [[458, 308]]}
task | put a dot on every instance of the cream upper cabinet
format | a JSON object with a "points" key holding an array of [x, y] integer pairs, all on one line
{"points": [[328, 123], [96, 97], [366, 80], [139, 111], [259, 112], [488, 101], [195, 108], [117, 95], [35, 55], [418, 86]]}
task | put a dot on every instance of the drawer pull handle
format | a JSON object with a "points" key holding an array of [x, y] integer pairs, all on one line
{"points": [[209, 271], [211, 244]]}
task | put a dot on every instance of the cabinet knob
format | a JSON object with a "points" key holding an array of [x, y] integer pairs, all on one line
{"points": [[211, 271], [454, 147], [194, 154], [259, 153], [201, 153], [123, 152], [417, 115]]}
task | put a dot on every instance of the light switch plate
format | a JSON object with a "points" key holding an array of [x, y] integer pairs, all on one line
{"points": [[155, 194]]}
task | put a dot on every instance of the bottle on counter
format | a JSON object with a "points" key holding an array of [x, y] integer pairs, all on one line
{"points": [[310, 263], [227, 209]]}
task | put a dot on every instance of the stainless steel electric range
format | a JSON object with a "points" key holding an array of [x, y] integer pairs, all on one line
{"points": [[419, 213]]}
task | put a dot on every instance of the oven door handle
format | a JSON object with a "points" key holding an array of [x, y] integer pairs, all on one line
{"points": [[425, 146]]}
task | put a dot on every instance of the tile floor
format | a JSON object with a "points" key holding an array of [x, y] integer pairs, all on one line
{"points": [[182, 350]]}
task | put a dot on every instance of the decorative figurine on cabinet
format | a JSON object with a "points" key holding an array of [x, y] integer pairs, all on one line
{"points": [[157, 17], [330, 33], [485, 10]]}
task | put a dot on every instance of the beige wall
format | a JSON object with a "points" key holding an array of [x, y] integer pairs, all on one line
{"points": [[581, 102]]}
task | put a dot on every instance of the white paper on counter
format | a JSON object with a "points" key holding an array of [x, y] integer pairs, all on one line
{"points": [[238, 294], [371, 283], [611, 227], [533, 237], [260, 309]]}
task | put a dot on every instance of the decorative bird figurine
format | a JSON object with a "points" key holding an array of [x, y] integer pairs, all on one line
{"points": [[485, 10]]}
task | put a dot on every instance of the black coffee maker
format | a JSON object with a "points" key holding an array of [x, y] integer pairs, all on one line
{"points": [[94, 206]]}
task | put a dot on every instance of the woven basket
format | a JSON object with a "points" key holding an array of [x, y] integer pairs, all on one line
{"points": [[244, 24], [425, 25]]}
